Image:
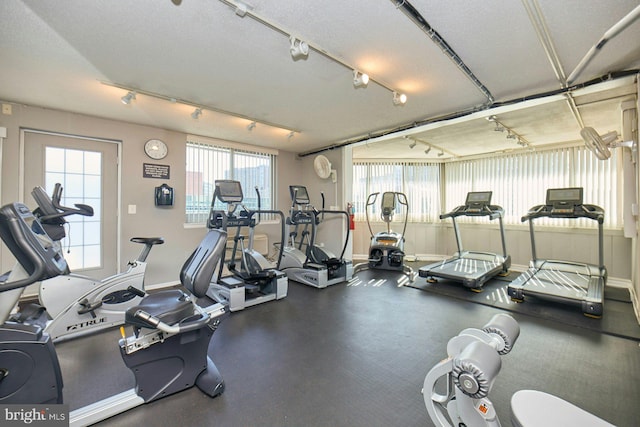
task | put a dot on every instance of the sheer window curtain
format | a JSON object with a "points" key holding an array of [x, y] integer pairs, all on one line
{"points": [[420, 182], [520, 181], [207, 163]]}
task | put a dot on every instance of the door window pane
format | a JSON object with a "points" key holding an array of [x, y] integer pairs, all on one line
{"points": [[79, 173]]}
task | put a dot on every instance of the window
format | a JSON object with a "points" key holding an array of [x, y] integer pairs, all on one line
{"points": [[80, 174], [207, 162], [420, 182], [520, 181]]}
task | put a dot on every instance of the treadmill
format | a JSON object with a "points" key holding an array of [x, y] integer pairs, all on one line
{"points": [[471, 268], [564, 281]]}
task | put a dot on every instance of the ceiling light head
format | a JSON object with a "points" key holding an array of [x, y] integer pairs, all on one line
{"points": [[399, 98], [441, 153], [413, 144], [499, 128], [290, 135], [250, 126], [299, 49], [196, 113], [427, 151], [130, 96], [360, 79], [511, 136], [492, 118]]}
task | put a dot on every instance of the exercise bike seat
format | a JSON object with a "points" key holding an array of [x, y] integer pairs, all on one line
{"points": [[148, 240], [170, 306], [530, 408]]}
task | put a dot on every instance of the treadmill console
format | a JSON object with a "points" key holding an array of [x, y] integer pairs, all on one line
{"points": [[228, 191], [299, 194], [562, 201], [477, 201]]}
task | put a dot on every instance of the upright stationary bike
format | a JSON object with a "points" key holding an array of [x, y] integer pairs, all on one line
{"points": [[73, 305], [167, 352]]}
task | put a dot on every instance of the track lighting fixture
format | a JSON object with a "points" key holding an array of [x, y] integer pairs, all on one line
{"points": [[413, 144], [250, 126], [360, 79], [427, 151], [199, 108], [299, 49], [126, 100], [399, 98], [441, 153], [511, 134]]}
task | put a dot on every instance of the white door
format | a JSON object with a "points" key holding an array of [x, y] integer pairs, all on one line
{"points": [[87, 169]]}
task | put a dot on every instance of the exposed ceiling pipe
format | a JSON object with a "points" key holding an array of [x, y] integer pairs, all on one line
{"points": [[419, 20], [542, 31], [540, 26], [608, 35]]}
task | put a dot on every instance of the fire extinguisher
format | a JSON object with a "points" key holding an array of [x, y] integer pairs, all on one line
{"points": [[352, 220]]}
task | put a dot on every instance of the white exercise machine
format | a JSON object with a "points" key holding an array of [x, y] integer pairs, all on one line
{"points": [[303, 260], [72, 305], [255, 280], [468, 374], [386, 250]]}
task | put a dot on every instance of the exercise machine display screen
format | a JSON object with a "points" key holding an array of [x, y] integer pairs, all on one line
{"points": [[299, 194], [477, 199], [564, 198], [389, 200], [229, 191]]}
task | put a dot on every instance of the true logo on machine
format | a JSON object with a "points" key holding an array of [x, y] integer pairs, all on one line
{"points": [[86, 323]]}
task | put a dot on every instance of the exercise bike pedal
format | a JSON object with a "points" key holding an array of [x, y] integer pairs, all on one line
{"points": [[87, 307]]}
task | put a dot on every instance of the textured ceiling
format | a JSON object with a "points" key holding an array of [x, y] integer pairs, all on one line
{"points": [[56, 54]]}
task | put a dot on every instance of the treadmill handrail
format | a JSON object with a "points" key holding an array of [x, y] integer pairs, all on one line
{"points": [[492, 211], [593, 212]]}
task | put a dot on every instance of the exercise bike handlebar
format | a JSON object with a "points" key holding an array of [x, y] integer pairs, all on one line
{"points": [[190, 325], [46, 205]]}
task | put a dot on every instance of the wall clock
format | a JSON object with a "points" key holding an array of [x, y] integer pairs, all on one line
{"points": [[156, 149]]}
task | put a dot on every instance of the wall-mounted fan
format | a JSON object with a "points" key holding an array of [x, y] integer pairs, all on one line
{"points": [[600, 145], [322, 166]]}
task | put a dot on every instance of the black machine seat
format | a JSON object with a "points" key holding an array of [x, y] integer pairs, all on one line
{"points": [[172, 306], [169, 306], [148, 240]]}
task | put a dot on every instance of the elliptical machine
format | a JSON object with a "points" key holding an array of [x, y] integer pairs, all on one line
{"points": [[72, 305], [167, 352], [256, 280], [469, 371], [303, 260], [386, 250]]}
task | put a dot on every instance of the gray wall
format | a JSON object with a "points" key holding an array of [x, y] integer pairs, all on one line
{"points": [[165, 260]]}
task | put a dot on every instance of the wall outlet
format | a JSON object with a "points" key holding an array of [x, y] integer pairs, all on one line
{"points": [[6, 109]]}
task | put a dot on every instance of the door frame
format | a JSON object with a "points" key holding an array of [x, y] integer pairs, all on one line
{"points": [[22, 167]]}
